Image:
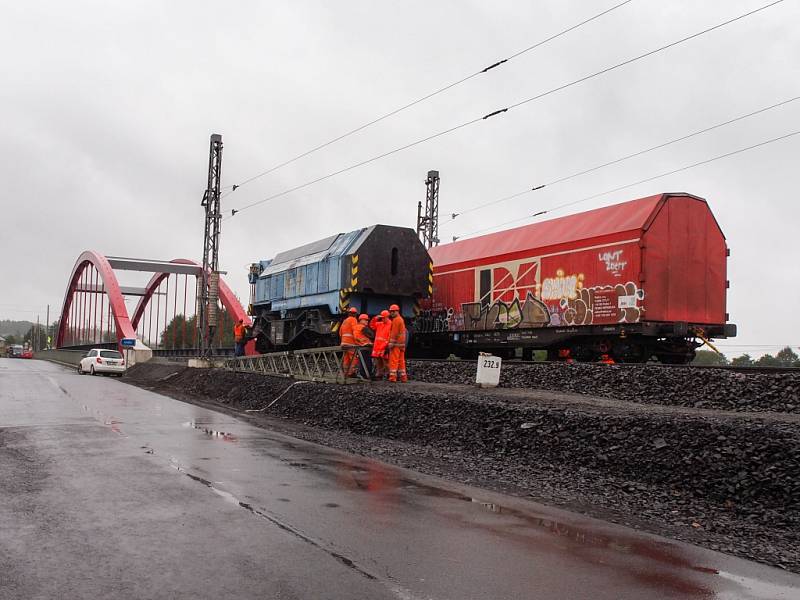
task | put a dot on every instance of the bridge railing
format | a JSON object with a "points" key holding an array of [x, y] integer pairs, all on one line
{"points": [[313, 364], [192, 352]]}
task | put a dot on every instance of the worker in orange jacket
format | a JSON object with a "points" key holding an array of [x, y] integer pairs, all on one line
{"points": [[397, 345], [363, 335], [239, 337], [381, 325], [348, 342]]}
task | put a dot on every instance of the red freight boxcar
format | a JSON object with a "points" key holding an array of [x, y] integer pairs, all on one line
{"points": [[634, 280]]}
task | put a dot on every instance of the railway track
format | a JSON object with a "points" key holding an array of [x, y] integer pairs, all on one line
{"points": [[732, 368]]}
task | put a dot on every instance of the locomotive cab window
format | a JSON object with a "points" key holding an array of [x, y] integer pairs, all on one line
{"points": [[394, 261]]}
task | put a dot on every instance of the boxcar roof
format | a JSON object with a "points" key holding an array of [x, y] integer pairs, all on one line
{"points": [[598, 223]]}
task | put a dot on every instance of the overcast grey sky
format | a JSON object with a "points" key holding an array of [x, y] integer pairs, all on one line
{"points": [[107, 108]]}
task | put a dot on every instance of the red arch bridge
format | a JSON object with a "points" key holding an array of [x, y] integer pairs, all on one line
{"points": [[163, 317]]}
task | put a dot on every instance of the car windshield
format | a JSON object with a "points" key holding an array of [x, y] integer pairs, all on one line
{"points": [[110, 354]]}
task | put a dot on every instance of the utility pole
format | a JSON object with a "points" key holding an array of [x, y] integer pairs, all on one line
{"points": [[208, 282], [47, 327], [428, 223], [35, 339]]}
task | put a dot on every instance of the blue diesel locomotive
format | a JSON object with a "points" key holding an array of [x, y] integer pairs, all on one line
{"points": [[298, 297]]}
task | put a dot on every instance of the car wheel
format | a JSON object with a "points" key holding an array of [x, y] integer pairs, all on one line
{"points": [[80, 370], [91, 370]]}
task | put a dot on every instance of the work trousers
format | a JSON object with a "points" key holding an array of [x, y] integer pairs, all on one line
{"points": [[397, 363], [349, 362], [357, 360]]}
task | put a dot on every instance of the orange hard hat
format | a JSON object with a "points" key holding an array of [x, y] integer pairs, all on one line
{"points": [[394, 307], [364, 317], [384, 313], [353, 310]]}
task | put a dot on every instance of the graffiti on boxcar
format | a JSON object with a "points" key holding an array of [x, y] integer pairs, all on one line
{"points": [[506, 315], [562, 286], [619, 303], [439, 319], [613, 261]]}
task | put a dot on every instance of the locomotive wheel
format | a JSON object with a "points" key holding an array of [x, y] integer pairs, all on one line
{"points": [[263, 345], [676, 359], [629, 352]]}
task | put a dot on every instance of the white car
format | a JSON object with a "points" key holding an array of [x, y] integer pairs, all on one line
{"points": [[102, 361]]}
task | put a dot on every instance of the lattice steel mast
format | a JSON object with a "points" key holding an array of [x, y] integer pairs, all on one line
{"points": [[208, 282], [428, 223]]}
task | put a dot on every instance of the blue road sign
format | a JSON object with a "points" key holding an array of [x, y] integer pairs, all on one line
{"points": [[128, 342]]}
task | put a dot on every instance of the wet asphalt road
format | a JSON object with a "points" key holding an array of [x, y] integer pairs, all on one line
{"points": [[109, 491]]}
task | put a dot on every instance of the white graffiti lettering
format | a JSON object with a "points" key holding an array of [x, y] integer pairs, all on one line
{"points": [[557, 287], [613, 261]]}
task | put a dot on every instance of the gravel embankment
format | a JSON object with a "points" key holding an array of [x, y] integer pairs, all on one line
{"points": [[648, 384], [728, 483]]}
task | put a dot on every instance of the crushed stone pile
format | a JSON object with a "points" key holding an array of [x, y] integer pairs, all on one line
{"points": [[647, 384]]}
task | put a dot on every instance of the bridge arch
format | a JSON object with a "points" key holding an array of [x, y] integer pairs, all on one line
{"points": [[95, 313], [226, 295], [91, 270]]}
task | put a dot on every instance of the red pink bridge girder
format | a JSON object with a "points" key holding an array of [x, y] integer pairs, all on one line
{"points": [[94, 309]]}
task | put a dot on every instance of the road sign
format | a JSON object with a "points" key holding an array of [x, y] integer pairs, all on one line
{"points": [[128, 342]]}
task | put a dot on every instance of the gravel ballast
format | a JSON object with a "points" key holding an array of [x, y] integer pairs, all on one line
{"points": [[648, 384], [727, 482]]}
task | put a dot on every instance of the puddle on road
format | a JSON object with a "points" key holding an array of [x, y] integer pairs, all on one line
{"points": [[669, 570], [223, 435], [759, 588], [106, 420]]}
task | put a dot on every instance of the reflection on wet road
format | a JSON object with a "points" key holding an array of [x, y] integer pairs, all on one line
{"points": [[164, 499]]}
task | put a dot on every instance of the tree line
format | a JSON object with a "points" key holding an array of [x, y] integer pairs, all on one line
{"points": [[783, 358]]}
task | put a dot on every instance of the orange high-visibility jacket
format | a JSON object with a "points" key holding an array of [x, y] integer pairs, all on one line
{"points": [[397, 332], [239, 331], [346, 331], [381, 337], [360, 337]]}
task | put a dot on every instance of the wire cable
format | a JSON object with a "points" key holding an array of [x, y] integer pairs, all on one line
{"points": [[629, 185], [449, 86], [619, 160], [506, 109]]}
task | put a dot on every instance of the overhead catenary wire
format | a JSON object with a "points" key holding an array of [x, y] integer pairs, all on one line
{"points": [[629, 185], [618, 160], [428, 96], [510, 107]]}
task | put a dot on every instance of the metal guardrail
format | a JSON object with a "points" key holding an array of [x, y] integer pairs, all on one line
{"points": [[313, 364]]}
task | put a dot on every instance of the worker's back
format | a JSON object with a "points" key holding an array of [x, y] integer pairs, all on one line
{"points": [[346, 331]]}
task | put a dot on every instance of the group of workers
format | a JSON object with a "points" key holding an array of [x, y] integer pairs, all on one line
{"points": [[386, 333]]}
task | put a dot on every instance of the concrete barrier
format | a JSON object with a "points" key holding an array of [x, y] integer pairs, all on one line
{"points": [[135, 355], [64, 357]]}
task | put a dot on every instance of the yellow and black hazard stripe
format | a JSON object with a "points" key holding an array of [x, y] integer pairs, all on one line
{"points": [[354, 271], [344, 304], [344, 299], [430, 279]]}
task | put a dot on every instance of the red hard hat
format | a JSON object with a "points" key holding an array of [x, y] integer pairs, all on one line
{"points": [[384, 313], [394, 307], [365, 317], [353, 310]]}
